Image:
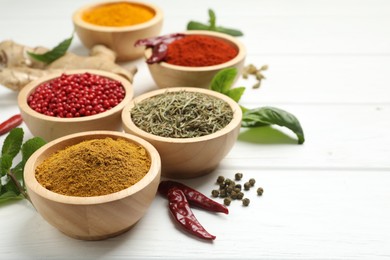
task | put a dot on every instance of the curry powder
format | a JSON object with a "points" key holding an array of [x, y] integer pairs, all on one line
{"points": [[94, 167], [118, 14]]}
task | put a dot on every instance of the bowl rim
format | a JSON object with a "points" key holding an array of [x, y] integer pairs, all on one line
{"points": [[240, 55], [79, 21], [128, 122], [30, 87], [35, 186]]}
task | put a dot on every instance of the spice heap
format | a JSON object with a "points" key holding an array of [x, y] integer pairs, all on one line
{"points": [[188, 50], [181, 114], [199, 51], [76, 95], [230, 190], [94, 167], [118, 14]]}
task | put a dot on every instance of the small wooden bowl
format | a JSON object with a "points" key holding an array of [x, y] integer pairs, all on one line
{"points": [[188, 157], [50, 128], [99, 217], [167, 75], [119, 39]]}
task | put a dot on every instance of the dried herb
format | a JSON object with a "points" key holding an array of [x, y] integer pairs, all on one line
{"points": [[192, 25], [222, 82], [181, 114], [12, 183], [55, 53]]}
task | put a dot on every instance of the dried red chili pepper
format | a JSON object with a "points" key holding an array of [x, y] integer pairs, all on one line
{"points": [[194, 197], [159, 45], [181, 211], [10, 124]]}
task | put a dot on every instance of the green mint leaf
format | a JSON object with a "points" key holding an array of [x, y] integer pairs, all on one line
{"points": [[236, 93], [6, 195], [30, 146], [5, 164], [197, 26], [18, 171], [12, 143], [55, 53], [212, 19], [223, 80], [271, 115]]}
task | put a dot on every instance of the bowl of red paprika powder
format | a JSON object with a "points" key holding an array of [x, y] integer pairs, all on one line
{"points": [[75, 101], [117, 25], [93, 185], [192, 59]]}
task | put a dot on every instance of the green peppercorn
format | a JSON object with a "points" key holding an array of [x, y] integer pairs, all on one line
{"points": [[247, 186], [227, 201], [236, 190], [228, 181], [215, 193], [252, 182], [238, 176], [222, 194], [229, 190], [240, 195], [233, 195], [222, 186], [220, 179], [245, 202], [260, 191], [238, 186]]}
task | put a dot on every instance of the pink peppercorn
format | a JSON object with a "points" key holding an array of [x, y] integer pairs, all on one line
{"points": [[76, 95]]}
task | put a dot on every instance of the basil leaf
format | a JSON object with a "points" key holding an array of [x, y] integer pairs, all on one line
{"points": [[232, 32], [197, 26], [8, 195], [55, 53], [212, 20], [223, 80], [271, 115], [13, 142], [236, 93], [212, 26]]}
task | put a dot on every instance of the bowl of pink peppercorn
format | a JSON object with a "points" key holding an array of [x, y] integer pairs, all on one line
{"points": [[74, 101]]}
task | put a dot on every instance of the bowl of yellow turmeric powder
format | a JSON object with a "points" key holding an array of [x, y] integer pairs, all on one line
{"points": [[118, 25], [93, 185]]}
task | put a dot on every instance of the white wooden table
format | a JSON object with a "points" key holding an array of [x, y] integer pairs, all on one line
{"points": [[329, 64]]}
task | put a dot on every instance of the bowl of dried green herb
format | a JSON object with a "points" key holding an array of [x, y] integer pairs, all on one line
{"points": [[93, 185], [191, 58], [192, 128]]}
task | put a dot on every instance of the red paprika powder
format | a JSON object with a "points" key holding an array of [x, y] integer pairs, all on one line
{"points": [[199, 51]]}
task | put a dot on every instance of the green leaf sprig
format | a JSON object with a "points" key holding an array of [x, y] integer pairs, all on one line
{"points": [[55, 53], [192, 25], [263, 116], [12, 184]]}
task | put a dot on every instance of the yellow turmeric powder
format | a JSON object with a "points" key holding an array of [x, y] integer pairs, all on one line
{"points": [[118, 14], [94, 167]]}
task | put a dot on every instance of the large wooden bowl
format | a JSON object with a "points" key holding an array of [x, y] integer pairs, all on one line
{"points": [[120, 39], [50, 128], [99, 217], [188, 157], [166, 75]]}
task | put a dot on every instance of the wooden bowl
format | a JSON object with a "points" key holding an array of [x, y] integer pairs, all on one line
{"points": [[119, 39], [99, 217], [188, 157], [167, 75], [50, 128]]}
